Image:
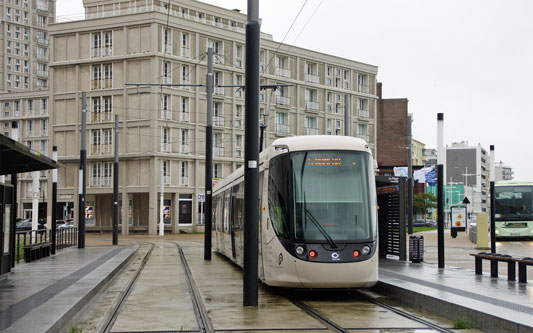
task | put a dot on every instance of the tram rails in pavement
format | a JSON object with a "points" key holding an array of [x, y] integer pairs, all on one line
{"points": [[318, 218]]}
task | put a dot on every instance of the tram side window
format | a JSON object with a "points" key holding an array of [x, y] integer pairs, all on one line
{"points": [[278, 195], [238, 195], [227, 207]]}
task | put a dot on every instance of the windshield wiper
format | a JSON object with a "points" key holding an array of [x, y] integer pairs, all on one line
{"points": [[318, 226]]}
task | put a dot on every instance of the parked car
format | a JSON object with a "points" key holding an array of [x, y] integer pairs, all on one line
{"points": [[424, 223], [67, 225], [25, 224]]}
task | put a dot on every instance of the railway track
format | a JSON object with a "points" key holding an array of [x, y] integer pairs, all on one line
{"points": [[361, 295]]}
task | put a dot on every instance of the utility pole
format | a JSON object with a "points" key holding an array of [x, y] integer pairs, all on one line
{"points": [[440, 189], [115, 187], [54, 203], [251, 157], [492, 200], [14, 183], [347, 116], [82, 173], [410, 173], [162, 201], [209, 81]]}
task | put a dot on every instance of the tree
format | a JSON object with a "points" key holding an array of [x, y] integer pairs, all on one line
{"points": [[422, 202]]}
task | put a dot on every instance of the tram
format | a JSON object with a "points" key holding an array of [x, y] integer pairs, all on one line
{"points": [[318, 214]]}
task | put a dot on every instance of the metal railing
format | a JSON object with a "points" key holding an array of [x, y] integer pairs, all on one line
{"points": [[65, 237], [283, 129], [41, 56], [363, 89], [311, 131], [185, 52], [42, 73], [218, 121], [311, 105], [185, 116], [283, 72], [218, 90], [218, 151], [363, 113], [283, 100], [42, 41], [184, 149], [312, 78], [184, 181]]}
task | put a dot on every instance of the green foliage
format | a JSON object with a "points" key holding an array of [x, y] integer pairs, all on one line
{"points": [[462, 323], [75, 329], [422, 202]]}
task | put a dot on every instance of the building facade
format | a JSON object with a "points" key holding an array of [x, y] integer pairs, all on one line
{"points": [[162, 128], [502, 172], [24, 60], [468, 165], [417, 152]]}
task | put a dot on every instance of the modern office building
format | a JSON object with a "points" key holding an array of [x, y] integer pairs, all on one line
{"points": [[162, 129], [24, 58], [469, 165], [502, 172], [417, 152]]}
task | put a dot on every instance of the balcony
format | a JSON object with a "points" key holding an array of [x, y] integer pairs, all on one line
{"points": [[184, 181], [106, 181], [311, 106], [95, 181], [185, 116], [95, 149], [218, 59], [283, 129], [95, 52], [365, 137], [185, 52], [42, 73], [166, 80], [184, 149], [42, 6], [167, 48], [42, 57], [311, 131], [218, 91], [166, 180], [283, 72], [166, 114], [363, 88], [165, 147], [218, 121], [363, 113], [283, 100], [107, 149], [311, 78], [42, 41], [218, 151], [96, 84], [107, 51]]}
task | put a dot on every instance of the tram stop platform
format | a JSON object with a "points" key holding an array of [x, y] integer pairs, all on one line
{"points": [[493, 304], [44, 295]]}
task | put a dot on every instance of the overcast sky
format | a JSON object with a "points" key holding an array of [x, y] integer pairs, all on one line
{"points": [[470, 59]]}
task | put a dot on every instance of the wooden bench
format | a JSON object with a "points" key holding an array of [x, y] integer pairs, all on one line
{"points": [[36, 251], [494, 259], [522, 268]]}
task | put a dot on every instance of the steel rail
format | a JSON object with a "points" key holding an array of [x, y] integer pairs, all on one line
{"points": [[204, 322], [111, 316], [402, 313]]}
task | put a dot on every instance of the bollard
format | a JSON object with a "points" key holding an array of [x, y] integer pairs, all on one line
{"points": [[482, 231]]}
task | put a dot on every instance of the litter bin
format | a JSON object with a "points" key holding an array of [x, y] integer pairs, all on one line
{"points": [[416, 248]]}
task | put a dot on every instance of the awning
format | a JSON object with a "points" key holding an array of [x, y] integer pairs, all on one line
{"points": [[17, 158]]}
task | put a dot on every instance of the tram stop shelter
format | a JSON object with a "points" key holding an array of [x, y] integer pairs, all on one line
{"points": [[15, 158]]}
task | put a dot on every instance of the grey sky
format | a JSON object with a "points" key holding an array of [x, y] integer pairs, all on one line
{"points": [[471, 60]]}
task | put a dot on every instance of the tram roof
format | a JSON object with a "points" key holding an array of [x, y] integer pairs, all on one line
{"points": [[320, 142], [17, 158], [513, 183]]}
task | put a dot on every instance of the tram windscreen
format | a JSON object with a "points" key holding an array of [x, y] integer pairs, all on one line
{"points": [[331, 196], [513, 202]]}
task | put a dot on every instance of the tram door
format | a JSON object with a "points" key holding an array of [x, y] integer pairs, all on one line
{"points": [[233, 219]]}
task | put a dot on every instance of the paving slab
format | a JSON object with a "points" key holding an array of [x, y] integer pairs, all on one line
{"points": [[42, 296]]}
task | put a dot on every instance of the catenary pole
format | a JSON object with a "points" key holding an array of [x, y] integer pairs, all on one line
{"points": [[440, 189], [115, 187], [14, 136], [492, 214], [209, 81], [410, 174], [251, 157], [54, 203], [83, 173]]}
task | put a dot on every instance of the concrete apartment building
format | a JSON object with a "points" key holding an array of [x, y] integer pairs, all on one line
{"points": [[502, 172], [24, 96], [417, 152], [469, 165], [162, 129]]}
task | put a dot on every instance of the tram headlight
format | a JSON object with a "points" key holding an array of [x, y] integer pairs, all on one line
{"points": [[366, 249], [300, 250]]}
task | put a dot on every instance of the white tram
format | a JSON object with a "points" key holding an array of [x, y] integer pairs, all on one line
{"points": [[318, 214]]}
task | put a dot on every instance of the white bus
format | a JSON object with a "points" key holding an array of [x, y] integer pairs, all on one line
{"points": [[513, 209]]}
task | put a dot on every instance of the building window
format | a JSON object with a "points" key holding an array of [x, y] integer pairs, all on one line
{"points": [[96, 79], [238, 81], [311, 127], [185, 75], [108, 76], [44, 127], [311, 73], [282, 123], [238, 116], [167, 40], [184, 173], [184, 148], [282, 96], [167, 73], [166, 112], [102, 109], [218, 145], [165, 165], [282, 67], [185, 47], [238, 146], [218, 114], [362, 132], [311, 100], [219, 80], [362, 83], [217, 170], [165, 139], [30, 128], [238, 56], [184, 109], [363, 111]]}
